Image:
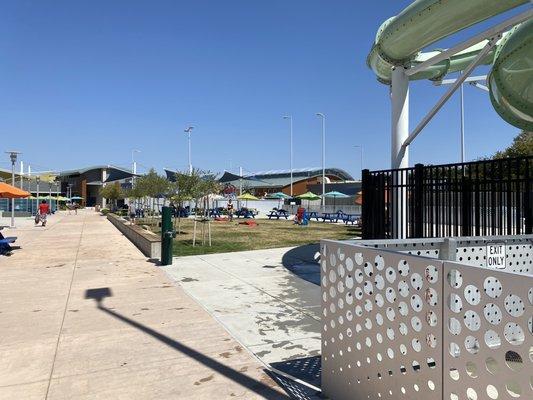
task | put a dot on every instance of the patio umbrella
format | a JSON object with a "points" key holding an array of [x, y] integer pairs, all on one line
{"points": [[278, 195], [308, 196], [247, 196], [359, 199], [334, 195], [11, 192], [76, 198]]}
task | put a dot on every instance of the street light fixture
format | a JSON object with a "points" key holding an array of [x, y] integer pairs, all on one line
{"points": [[133, 163], [323, 117], [13, 157], [188, 131], [289, 117]]}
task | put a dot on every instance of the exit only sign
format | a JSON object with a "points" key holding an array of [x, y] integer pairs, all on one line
{"points": [[496, 255]]}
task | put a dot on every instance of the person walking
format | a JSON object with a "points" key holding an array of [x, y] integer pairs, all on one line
{"points": [[44, 210]]}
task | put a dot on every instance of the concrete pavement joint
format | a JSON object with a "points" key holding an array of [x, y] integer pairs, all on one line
{"points": [[66, 306]]}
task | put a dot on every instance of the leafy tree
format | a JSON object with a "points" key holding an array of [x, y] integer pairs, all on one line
{"points": [[522, 146], [151, 185], [112, 193]]}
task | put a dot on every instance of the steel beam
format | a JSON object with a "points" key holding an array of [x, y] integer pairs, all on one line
{"points": [[449, 92], [489, 33]]}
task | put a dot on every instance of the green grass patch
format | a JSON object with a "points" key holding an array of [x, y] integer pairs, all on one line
{"points": [[232, 236]]}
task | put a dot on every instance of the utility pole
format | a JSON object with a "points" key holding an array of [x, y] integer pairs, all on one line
{"points": [[188, 131], [323, 156], [289, 117]]}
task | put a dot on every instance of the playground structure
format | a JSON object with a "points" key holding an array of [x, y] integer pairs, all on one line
{"points": [[396, 59]]}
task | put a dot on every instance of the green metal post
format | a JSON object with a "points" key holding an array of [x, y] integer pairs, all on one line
{"points": [[167, 236]]}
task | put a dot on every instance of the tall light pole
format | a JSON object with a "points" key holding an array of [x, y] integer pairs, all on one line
{"points": [[13, 157], [462, 126], [361, 158], [188, 131], [289, 117], [323, 117], [133, 163], [38, 180]]}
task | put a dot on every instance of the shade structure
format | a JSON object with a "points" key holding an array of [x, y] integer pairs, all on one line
{"points": [[12, 192], [61, 198], [247, 196], [335, 195], [278, 195], [308, 196], [76, 198], [359, 199]]}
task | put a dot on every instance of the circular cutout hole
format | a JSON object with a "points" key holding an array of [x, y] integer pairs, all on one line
{"points": [[513, 333], [472, 295], [454, 374], [513, 361], [471, 369], [471, 394], [492, 365], [513, 389], [492, 339], [471, 344], [455, 279], [514, 306], [492, 287], [492, 392]]}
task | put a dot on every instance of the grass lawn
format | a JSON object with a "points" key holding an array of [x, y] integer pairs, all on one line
{"points": [[231, 236]]}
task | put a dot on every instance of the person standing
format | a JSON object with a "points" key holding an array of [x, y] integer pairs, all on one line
{"points": [[229, 207], [44, 210]]}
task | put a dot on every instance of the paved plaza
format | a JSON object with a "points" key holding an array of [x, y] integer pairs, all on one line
{"points": [[84, 315]]}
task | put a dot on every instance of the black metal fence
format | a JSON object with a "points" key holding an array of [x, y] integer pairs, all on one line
{"points": [[491, 197]]}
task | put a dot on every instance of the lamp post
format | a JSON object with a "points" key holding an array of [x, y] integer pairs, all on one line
{"points": [[13, 157], [289, 117], [133, 162], [361, 158], [188, 131], [323, 117], [462, 126], [38, 180]]}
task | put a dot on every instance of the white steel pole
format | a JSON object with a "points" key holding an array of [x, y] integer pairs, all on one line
{"points": [[399, 153], [400, 118], [13, 199], [21, 174], [462, 125], [323, 117], [240, 181], [188, 131], [289, 117]]}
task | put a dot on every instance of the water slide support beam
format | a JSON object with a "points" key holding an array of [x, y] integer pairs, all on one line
{"points": [[489, 33], [450, 91], [399, 154]]}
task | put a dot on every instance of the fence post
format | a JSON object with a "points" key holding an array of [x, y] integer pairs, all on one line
{"points": [[418, 222], [366, 216], [528, 206]]}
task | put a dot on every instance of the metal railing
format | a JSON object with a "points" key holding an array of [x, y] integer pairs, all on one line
{"points": [[490, 197]]}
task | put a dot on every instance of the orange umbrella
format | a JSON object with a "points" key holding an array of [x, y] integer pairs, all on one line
{"points": [[11, 192], [359, 199]]}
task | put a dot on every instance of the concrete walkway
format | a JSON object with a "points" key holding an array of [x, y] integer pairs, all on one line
{"points": [[265, 298], [83, 315]]}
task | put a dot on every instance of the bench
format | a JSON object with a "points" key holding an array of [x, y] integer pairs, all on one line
{"points": [[351, 218], [332, 217], [245, 214]]}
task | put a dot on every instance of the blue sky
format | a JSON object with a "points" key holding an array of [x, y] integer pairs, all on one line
{"points": [[85, 82]]}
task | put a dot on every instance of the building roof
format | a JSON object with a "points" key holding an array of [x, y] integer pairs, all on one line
{"points": [[113, 173], [281, 177]]}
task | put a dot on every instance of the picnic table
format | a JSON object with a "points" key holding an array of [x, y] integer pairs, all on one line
{"points": [[351, 218], [312, 214], [277, 214], [330, 216], [245, 214], [214, 212]]}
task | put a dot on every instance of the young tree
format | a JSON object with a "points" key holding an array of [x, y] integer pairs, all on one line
{"points": [[112, 192]]}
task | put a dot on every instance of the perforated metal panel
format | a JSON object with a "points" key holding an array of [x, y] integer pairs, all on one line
{"points": [[399, 326], [382, 330], [489, 354]]}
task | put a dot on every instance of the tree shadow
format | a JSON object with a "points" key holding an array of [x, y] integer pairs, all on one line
{"points": [[260, 388]]}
